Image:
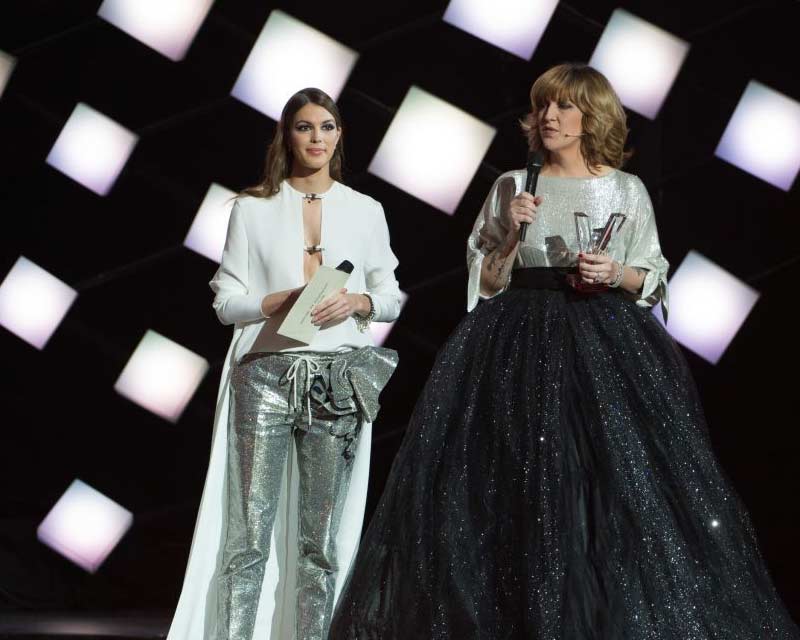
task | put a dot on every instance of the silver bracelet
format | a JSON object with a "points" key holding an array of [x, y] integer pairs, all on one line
{"points": [[618, 278], [363, 322]]}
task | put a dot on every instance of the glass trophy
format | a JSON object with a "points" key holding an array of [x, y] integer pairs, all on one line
{"points": [[592, 242]]}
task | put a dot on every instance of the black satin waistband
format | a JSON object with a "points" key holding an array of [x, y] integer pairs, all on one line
{"points": [[553, 278]]}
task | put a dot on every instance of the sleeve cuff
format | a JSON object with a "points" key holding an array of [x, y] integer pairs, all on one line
{"points": [[654, 287], [240, 308]]}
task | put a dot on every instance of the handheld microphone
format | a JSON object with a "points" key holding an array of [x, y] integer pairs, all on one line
{"points": [[346, 266], [535, 162]]}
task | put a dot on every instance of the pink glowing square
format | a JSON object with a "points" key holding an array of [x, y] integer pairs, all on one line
{"points": [[84, 526], [707, 306], [210, 226], [640, 60], [33, 303], [412, 155], [92, 149], [161, 376], [289, 56], [513, 25], [7, 64], [763, 136], [168, 26]]}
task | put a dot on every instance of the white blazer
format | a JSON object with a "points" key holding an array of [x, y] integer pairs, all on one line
{"points": [[264, 254]]}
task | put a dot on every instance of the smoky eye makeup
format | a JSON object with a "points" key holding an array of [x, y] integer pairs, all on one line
{"points": [[303, 125]]}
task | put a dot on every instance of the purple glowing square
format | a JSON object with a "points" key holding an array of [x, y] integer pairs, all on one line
{"points": [[511, 25], [289, 56], [640, 61], [763, 136], [84, 526], [7, 64], [33, 302], [92, 149], [210, 226], [411, 155], [168, 27], [707, 306], [161, 376]]}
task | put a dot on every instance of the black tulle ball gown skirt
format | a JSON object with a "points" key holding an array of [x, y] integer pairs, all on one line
{"points": [[556, 482]]}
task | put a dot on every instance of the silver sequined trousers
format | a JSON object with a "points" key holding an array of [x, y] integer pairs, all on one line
{"points": [[316, 401]]}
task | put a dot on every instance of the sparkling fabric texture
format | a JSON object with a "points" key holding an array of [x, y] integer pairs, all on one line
{"points": [[316, 401], [557, 482], [551, 241]]}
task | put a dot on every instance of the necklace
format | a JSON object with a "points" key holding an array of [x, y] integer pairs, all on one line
{"points": [[314, 248]]}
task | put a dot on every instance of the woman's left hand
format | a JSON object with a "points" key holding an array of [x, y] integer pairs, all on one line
{"points": [[338, 306], [597, 269]]}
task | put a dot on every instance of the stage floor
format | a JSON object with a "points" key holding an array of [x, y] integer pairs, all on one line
{"points": [[80, 626]]}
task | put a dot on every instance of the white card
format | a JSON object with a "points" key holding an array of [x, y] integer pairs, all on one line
{"points": [[297, 324]]}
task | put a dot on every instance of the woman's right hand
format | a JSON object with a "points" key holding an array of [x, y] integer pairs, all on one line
{"points": [[522, 208]]}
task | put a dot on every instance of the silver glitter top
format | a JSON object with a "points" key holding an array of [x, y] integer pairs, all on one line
{"points": [[551, 240]]}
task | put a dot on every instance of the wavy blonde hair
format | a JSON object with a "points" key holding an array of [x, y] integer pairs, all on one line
{"points": [[278, 165], [604, 121]]}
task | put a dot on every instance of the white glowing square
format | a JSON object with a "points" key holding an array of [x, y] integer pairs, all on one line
{"points": [[707, 306], [161, 376], [640, 60], [289, 56], [513, 25], [210, 226], [168, 26], [432, 150], [7, 63], [381, 330], [33, 303], [92, 149], [763, 136], [84, 526]]}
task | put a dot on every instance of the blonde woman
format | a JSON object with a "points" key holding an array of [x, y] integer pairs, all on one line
{"points": [[556, 481], [284, 498]]}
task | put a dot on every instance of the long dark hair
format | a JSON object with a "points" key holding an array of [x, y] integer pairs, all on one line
{"points": [[279, 155]]}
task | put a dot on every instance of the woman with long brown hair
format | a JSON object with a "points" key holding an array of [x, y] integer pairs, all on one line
{"points": [[284, 498], [556, 481]]}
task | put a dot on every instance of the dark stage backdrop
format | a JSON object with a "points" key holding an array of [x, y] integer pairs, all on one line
{"points": [[61, 418]]}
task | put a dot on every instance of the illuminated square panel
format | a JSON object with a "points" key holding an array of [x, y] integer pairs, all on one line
{"points": [[84, 526], [161, 376], [707, 306], [207, 234], [432, 150], [513, 25], [92, 149], [640, 60], [7, 63], [289, 56], [168, 26], [381, 330], [33, 302], [763, 136]]}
